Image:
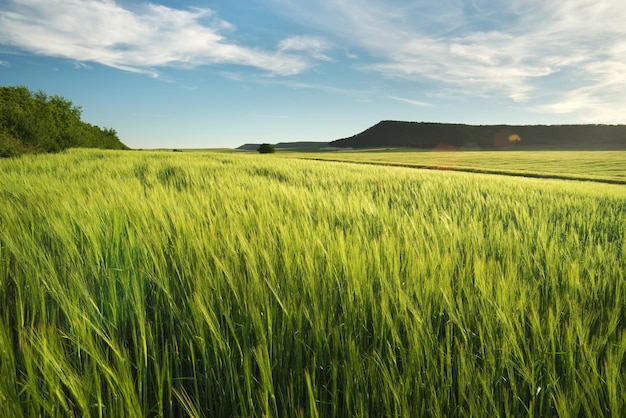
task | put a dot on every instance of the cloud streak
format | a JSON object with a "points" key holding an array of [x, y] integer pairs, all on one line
{"points": [[142, 38], [411, 101], [562, 57], [316, 46]]}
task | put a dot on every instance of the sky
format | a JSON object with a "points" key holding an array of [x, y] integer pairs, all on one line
{"points": [[221, 73]]}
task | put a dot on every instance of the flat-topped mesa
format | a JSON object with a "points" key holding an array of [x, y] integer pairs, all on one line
{"points": [[429, 135]]}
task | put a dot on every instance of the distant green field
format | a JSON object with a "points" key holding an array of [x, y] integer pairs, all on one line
{"points": [[243, 285], [607, 166]]}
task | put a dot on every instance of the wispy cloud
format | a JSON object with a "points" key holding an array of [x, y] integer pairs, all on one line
{"points": [[359, 94], [141, 38], [411, 101], [315, 46], [82, 66], [527, 51]]}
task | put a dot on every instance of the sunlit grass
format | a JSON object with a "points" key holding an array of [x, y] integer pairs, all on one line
{"points": [[607, 166], [197, 284]]}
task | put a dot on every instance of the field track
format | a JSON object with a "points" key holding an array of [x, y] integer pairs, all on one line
{"points": [[608, 167], [477, 170]]}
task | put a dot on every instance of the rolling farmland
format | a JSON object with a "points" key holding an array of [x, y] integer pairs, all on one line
{"points": [[600, 166]]}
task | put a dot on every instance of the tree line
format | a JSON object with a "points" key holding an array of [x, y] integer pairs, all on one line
{"points": [[33, 122]]}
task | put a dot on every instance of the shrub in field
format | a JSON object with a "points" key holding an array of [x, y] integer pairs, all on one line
{"points": [[266, 149]]}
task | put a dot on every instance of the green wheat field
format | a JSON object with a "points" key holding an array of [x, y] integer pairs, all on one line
{"points": [[601, 166], [238, 285]]}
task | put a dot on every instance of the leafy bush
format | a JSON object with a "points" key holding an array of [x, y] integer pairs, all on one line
{"points": [[266, 149], [9, 146]]}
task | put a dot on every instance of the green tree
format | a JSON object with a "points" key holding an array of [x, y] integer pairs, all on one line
{"points": [[9, 146], [36, 122], [266, 149]]}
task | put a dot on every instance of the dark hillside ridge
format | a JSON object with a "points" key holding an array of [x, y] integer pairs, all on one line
{"points": [[249, 147], [390, 134], [286, 145], [301, 144]]}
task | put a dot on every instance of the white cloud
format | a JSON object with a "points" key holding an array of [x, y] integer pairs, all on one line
{"points": [[527, 51], [140, 39], [600, 99]]}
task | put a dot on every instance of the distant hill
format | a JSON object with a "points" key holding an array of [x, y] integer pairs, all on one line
{"points": [[391, 134], [248, 147], [287, 145], [301, 144]]}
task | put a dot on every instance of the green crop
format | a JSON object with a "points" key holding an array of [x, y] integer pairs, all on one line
{"points": [[601, 166], [219, 285]]}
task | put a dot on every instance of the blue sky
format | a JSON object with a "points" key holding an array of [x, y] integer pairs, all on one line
{"points": [[220, 73]]}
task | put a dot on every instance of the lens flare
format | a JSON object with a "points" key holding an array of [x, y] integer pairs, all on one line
{"points": [[506, 138]]}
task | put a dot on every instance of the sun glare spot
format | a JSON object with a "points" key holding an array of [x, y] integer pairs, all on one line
{"points": [[506, 138]]}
